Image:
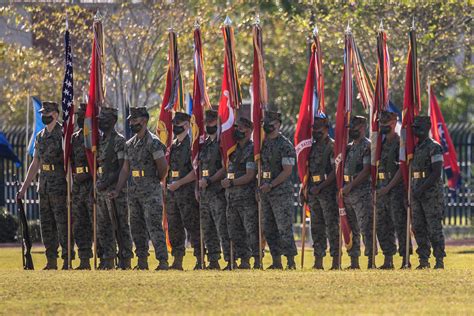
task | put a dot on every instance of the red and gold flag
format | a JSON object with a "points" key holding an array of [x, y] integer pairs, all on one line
{"points": [[381, 102], [173, 98], [312, 104], [411, 108], [200, 99], [231, 97], [259, 90], [343, 116], [96, 92]]}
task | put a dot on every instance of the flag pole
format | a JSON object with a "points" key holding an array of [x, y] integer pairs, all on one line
{"points": [[259, 205], [68, 176], [94, 207], [27, 142], [303, 235], [374, 224]]}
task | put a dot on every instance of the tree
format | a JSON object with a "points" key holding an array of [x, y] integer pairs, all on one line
{"points": [[137, 46]]}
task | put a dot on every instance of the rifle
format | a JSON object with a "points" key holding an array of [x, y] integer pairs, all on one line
{"points": [[25, 236], [118, 236]]}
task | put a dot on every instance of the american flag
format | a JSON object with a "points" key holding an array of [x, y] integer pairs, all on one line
{"points": [[67, 102]]}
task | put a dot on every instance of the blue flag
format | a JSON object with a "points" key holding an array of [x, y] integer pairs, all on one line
{"points": [[38, 125], [6, 150]]}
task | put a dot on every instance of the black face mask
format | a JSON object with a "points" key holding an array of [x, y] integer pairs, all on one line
{"points": [[419, 132], [384, 129], [136, 127], [46, 119], [177, 129], [268, 128], [211, 130], [318, 135], [354, 134], [80, 122], [238, 135], [104, 125]]}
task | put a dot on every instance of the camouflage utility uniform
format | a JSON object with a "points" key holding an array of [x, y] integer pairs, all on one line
{"points": [[111, 150], [428, 209], [324, 211], [391, 212], [278, 204], [242, 213], [52, 191], [181, 205], [81, 197], [213, 203], [358, 202], [145, 195]]}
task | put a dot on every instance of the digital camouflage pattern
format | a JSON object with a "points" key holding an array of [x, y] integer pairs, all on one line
{"points": [[428, 209], [145, 195], [242, 211], [111, 149], [52, 191], [181, 205], [391, 211], [323, 206], [358, 201], [81, 197], [213, 203], [278, 204]]}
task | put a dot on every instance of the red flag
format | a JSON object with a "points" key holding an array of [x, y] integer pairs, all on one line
{"points": [[312, 104], [343, 116], [173, 97], [67, 101], [200, 99], [231, 97], [259, 90], [411, 108], [96, 93], [440, 133], [380, 102]]}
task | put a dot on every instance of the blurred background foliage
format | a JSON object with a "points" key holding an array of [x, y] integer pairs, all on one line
{"points": [[137, 47]]}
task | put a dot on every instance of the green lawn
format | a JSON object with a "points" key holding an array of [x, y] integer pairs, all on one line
{"points": [[239, 292]]}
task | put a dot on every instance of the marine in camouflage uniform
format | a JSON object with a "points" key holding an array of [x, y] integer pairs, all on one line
{"points": [[48, 157], [110, 156], [427, 190], [181, 205], [357, 191], [322, 195], [145, 161], [391, 211], [276, 191], [81, 193], [212, 196], [240, 183]]}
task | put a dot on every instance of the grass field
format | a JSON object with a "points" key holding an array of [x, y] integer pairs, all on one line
{"points": [[238, 292]]}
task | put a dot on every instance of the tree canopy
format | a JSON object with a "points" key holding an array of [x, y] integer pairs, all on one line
{"points": [[137, 46]]}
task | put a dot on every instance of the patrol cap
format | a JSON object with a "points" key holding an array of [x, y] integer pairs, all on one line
{"points": [[211, 115], [270, 116], [108, 113], [320, 122], [49, 106], [387, 117], [358, 120], [422, 121], [244, 122], [139, 111], [180, 117]]}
